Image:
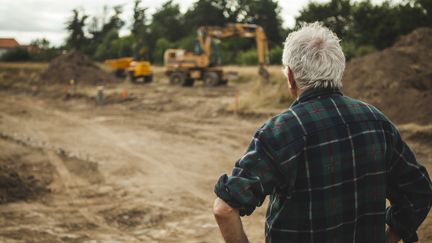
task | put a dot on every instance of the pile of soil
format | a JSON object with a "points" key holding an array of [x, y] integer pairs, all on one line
{"points": [[78, 67], [16, 185], [397, 80]]}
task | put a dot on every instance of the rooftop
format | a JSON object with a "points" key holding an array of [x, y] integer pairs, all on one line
{"points": [[8, 43]]}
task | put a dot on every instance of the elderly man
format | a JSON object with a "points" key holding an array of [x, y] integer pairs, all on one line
{"points": [[328, 163]]}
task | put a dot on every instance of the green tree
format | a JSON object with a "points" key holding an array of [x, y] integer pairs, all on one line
{"points": [[41, 43], [114, 22], [161, 45], [381, 25], [205, 13], [365, 26], [426, 6], [139, 19], [231, 9], [139, 28], [16, 54], [75, 27], [265, 13], [413, 14], [123, 46], [104, 49], [335, 14], [374, 24], [94, 29], [44, 51], [168, 22], [103, 33]]}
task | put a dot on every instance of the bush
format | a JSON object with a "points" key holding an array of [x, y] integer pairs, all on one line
{"points": [[187, 43], [230, 49], [351, 50], [161, 45], [275, 55], [122, 47], [45, 54], [16, 54], [105, 49], [249, 57]]}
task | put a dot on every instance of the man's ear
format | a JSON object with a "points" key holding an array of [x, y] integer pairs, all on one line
{"points": [[291, 81]]}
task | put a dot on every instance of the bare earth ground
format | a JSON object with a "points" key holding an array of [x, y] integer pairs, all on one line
{"points": [[140, 169]]}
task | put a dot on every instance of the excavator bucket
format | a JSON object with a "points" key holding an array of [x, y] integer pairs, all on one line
{"points": [[264, 74]]}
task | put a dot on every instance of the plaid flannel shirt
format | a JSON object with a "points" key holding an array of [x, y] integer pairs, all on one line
{"points": [[328, 164]]}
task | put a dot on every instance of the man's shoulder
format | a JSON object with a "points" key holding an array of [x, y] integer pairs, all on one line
{"points": [[307, 117], [359, 107], [281, 130], [275, 123]]}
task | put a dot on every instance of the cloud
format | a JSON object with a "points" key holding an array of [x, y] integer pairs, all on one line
{"points": [[29, 19]]}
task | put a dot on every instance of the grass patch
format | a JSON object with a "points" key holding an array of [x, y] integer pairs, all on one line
{"points": [[254, 97]]}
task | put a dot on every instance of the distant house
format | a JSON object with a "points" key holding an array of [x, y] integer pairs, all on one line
{"points": [[7, 44], [31, 48]]}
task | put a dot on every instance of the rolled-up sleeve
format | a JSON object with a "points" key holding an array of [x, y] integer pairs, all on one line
{"points": [[409, 191], [253, 177]]}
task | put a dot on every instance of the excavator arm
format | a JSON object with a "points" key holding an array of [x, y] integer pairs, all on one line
{"points": [[206, 33]]}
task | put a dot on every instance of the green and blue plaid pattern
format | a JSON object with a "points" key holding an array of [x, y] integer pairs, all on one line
{"points": [[328, 164]]}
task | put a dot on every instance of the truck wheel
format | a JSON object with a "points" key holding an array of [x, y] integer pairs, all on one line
{"points": [[148, 79], [132, 78], [211, 79], [176, 78], [179, 78], [119, 73]]}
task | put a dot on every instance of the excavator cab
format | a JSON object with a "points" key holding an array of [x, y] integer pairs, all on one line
{"points": [[140, 67], [140, 70]]}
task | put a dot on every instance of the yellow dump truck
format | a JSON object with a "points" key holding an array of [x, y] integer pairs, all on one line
{"points": [[137, 70], [119, 65]]}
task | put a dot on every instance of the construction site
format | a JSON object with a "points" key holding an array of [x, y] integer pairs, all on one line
{"points": [[127, 151], [142, 165]]}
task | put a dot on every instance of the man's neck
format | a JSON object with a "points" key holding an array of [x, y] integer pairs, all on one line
{"points": [[296, 92]]}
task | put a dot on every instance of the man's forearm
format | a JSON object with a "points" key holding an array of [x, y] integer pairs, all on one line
{"points": [[229, 222]]}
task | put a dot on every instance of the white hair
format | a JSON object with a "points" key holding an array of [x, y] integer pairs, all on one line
{"points": [[315, 57]]}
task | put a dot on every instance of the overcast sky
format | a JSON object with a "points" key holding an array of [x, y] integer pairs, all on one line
{"points": [[26, 20]]}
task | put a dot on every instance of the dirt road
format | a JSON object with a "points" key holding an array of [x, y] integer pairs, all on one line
{"points": [[127, 172], [140, 169]]}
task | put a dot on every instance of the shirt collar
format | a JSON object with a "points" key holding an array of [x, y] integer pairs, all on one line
{"points": [[313, 93]]}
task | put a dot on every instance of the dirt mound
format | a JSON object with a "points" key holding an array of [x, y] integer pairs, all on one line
{"points": [[18, 184], [25, 173], [78, 67], [397, 80]]}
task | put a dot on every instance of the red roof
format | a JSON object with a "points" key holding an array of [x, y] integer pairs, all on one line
{"points": [[8, 43]]}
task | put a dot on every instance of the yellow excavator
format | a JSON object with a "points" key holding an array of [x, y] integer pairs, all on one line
{"points": [[184, 67]]}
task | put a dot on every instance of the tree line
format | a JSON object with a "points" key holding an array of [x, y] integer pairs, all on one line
{"points": [[363, 26], [168, 27]]}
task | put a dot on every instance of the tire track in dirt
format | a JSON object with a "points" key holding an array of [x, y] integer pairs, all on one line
{"points": [[161, 162], [41, 137], [72, 185]]}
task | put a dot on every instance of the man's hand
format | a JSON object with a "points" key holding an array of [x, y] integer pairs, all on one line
{"points": [[392, 236], [229, 222]]}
